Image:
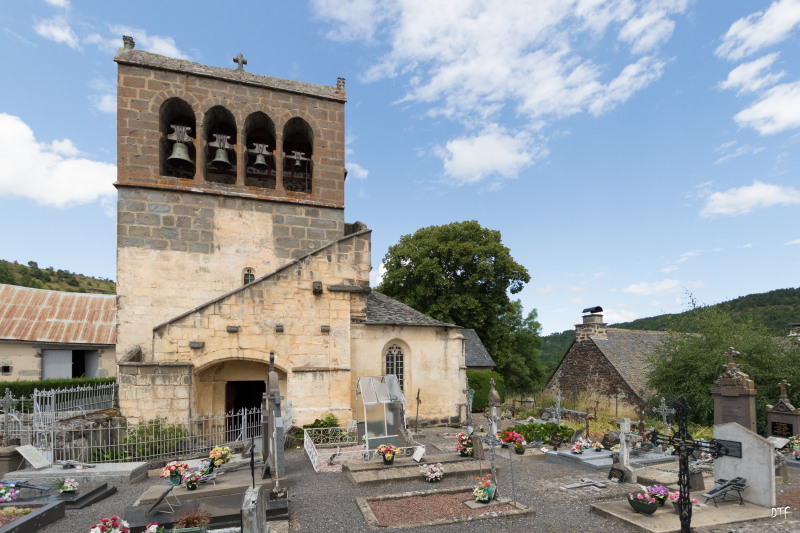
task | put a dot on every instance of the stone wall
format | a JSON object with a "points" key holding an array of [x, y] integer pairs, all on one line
{"points": [[585, 369], [25, 360], [433, 358], [178, 250], [148, 391], [309, 333]]}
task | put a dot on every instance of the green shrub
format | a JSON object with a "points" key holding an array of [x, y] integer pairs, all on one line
{"points": [[154, 438], [329, 421], [26, 388], [533, 431], [478, 380]]}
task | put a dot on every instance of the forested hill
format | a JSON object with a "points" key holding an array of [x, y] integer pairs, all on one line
{"points": [[31, 275], [773, 310]]}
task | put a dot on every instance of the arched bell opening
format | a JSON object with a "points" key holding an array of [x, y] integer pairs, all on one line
{"points": [[177, 153], [260, 142], [220, 127], [298, 147]]}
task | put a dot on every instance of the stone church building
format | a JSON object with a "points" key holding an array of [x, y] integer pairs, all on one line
{"points": [[232, 243]]}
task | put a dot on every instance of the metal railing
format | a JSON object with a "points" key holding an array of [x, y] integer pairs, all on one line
{"points": [[52, 405], [329, 448]]}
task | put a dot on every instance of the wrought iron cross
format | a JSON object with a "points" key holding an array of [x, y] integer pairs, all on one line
{"points": [[664, 410], [240, 61], [685, 445]]}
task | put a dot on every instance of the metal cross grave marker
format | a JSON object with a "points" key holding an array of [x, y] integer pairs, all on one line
{"points": [[664, 410]]}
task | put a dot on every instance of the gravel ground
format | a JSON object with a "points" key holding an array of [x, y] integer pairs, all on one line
{"points": [[325, 502]]}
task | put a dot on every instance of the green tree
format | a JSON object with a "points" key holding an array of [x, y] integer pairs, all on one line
{"points": [[687, 364], [462, 273], [6, 276]]}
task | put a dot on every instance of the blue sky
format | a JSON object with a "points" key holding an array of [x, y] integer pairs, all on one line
{"points": [[629, 152]]}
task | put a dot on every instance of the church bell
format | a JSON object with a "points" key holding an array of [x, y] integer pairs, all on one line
{"points": [[221, 160], [260, 163], [180, 157]]}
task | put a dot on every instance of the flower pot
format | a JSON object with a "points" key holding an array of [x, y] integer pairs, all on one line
{"points": [[433, 480], [598, 450], [191, 486], [175, 480], [465, 453], [642, 507], [484, 500], [388, 461], [504, 445], [519, 451]]}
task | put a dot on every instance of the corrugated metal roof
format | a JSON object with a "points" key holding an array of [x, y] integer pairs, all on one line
{"points": [[36, 315]]}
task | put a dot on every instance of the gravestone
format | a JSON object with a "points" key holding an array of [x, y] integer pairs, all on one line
{"points": [[32, 455], [624, 462], [254, 510], [783, 419], [756, 463], [734, 395]]}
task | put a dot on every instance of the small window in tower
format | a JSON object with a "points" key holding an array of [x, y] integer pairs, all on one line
{"points": [[394, 362], [6, 370], [249, 276]]}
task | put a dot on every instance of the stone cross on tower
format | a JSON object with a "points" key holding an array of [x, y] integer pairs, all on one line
{"points": [[664, 411], [784, 385], [731, 354], [240, 61]]}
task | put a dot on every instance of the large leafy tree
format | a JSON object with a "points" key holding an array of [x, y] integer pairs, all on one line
{"points": [[462, 273], [687, 364]]}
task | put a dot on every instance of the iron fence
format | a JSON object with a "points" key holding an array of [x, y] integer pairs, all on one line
{"points": [[329, 448], [52, 405]]}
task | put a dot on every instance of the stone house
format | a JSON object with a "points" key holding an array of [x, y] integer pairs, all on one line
{"points": [[52, 334], [606, 361], [232, 245]]}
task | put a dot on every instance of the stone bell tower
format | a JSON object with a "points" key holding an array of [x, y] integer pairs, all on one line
{"points": [[223, 176]]}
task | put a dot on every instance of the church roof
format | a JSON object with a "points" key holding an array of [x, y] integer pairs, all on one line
{"points": [[36, 315], [475, 353], [382, 309], [628, 352]]}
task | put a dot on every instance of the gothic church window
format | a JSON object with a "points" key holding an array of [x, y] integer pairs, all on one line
{"points": [[249, 276], [298, 142], [394, 362]]}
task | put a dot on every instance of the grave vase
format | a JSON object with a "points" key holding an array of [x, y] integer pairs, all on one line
{"points": [[388, 461], [191, 486], [175, 479], [642, 507], [519, 450], [465, 452]]}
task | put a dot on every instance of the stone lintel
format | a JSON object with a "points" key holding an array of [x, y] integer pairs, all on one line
{"points": [[349, 288], [321, 369]]}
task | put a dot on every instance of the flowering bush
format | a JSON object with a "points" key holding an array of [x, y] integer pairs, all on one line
{"points": [[174, 468], [114, 524], [644, 498], [8, 494], [155, 527], [68, 485], [675, 496], [432, 473], [484, 490], [388, 451], [220, 455], [659, 492], [464, 443]]}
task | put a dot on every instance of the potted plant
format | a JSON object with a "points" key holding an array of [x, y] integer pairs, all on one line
{"points": [[191, 479], [155, 527], [642, 503], [113, 524], [67, 485], [675, 496], [598, 446], [659, 492], [484, 490], [432, 473], [192, 521], [219, 455], [174, 470], [388, 451], [464, 444], [8, 494]]}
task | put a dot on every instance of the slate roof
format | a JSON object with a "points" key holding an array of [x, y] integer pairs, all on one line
{"points": [[36, 315], [475, 353], [382, 309], [628, 350]]}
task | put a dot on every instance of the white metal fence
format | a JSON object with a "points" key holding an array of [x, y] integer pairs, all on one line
{"points": [[52, 405], [328, 448]]}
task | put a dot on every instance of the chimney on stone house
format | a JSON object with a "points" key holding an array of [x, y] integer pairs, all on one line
{"points": [[592, 326]]}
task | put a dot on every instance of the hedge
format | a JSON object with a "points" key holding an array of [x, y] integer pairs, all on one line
{"points": [[26, 388], [478, 380]]}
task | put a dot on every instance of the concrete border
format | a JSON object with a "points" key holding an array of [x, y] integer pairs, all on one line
{"points": [[372, 520]]}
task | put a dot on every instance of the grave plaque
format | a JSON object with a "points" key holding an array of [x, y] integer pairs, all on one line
{"points": [[734, 448], [734, 395], [781, 429], [615, 474], [556, 440], [608, 441]]}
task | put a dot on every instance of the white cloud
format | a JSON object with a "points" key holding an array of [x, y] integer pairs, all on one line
{"points": [[50, 174], [354, 170], [747, 245], [796, 241], [729, 151], [616, 315], [514, 68], [777, 111], [758, 30], [104, 96], [750, 77], [157, 44], [493, 152], [680, 260], [743, 200], [548, 288], [58, 3], [576, 288], [659, 287], [376, 276], [57, 29]]}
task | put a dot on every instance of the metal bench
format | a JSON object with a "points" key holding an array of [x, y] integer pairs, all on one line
{"points": [[725, 487]]}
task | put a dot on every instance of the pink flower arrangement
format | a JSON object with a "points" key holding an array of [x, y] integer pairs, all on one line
{"points": [[675, 496], [114, 524], [644, 498], [174, 468]]}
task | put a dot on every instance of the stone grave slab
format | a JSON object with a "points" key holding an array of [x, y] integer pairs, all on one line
{"points": [[755, 464], [547, 487], [603, 460], [87, 494], [101, 473], [45, 514], [33, 456]]}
